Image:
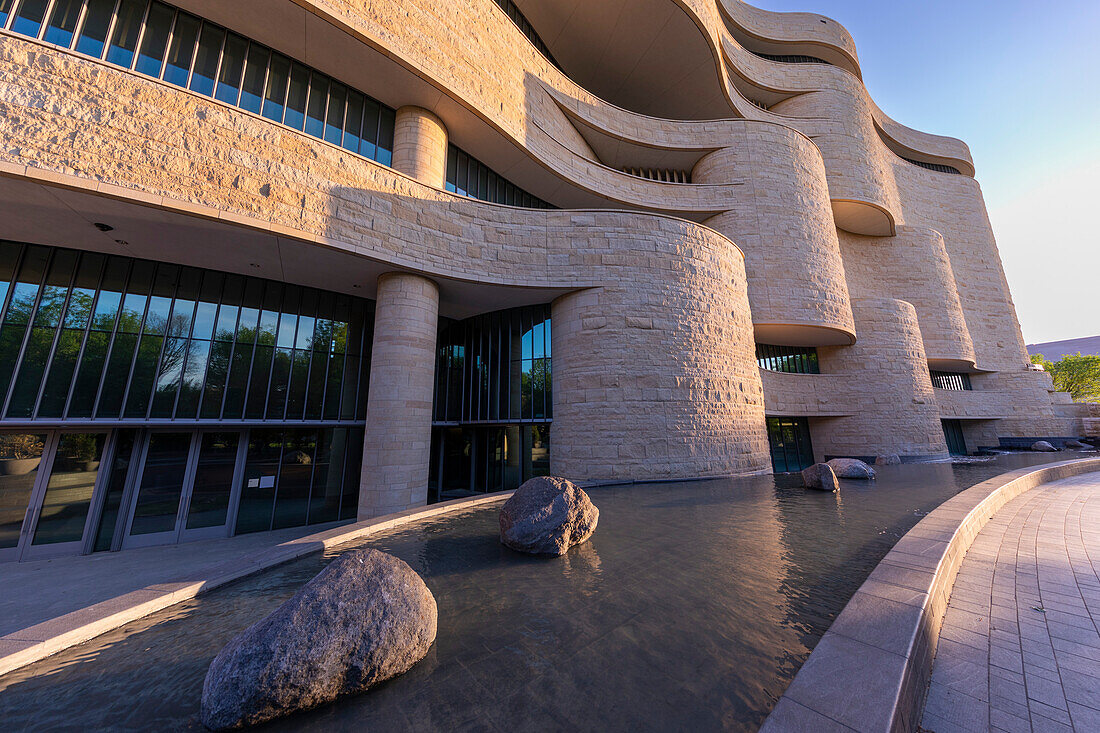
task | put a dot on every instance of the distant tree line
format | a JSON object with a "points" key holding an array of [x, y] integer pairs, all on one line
{"points": [[1079, 375]]}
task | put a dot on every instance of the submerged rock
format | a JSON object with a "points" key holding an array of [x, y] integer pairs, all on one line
{"points": [[365, 618], [1043, 447], [851, 468], [820, 476], [890, 459], [546, 516]]}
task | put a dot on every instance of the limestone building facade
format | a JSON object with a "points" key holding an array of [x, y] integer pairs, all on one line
{"points": [[281, 262]]}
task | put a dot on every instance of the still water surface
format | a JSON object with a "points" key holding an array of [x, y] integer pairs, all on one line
{"points": [[691, 608]]}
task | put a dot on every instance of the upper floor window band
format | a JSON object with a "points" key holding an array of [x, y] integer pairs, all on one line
{"points": [[526, 29], [791, 58], [957, 381], [790, 359], [468, 176], [157, 40]]}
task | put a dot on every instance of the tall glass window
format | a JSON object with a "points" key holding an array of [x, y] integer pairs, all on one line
{"points": [[493, 402], [158, 40], [91, 336], [495, 367]]}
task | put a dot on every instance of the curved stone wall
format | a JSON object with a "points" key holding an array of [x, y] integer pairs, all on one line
{"points": [[920, 273], [897, 410], [797, 287]]}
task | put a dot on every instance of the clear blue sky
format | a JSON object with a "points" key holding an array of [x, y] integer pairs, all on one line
{"points": [[1019, 81]]}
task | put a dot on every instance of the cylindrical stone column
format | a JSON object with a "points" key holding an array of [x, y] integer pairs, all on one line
{"points": [[397, 444], [420, 146]]}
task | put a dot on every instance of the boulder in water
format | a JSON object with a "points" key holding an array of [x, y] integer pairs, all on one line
{"points": [[546, 516], [365, 618], [851, 468], [820, 476], [1042, 446]]}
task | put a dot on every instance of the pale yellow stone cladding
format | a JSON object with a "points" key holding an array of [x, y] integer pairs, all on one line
{"points": [[398, 436], [665, 362], [896, 406], [783, 222], [420, 146], [913, 266], [665, 310]]}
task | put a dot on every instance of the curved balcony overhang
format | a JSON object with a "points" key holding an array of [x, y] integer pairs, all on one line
{"points": [[801, 334], [54, 210], [801, 34], [862, 217], [650, 56]]}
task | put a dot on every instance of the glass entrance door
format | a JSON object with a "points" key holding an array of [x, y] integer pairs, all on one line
{"points": [[211, 499], [164, 472], [185, 489]]}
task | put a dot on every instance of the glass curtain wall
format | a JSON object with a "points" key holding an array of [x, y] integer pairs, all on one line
{"points": [[493, 402], [209, 401], [157, 40], [96, 337]]}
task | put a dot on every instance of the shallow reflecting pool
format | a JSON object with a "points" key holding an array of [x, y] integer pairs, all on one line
{"points": [[690, 609]]}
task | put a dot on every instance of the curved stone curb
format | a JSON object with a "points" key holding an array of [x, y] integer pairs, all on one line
{"points": [[23, 647], [870, 670]]}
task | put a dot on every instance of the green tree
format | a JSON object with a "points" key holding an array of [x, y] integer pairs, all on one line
{"points": [[1079, 375]]}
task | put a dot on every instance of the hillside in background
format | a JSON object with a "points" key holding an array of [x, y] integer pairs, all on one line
{"points": [[1055, 350]]}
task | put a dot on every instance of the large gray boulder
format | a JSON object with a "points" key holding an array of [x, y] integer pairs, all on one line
{"points": [[1043, 447], [547, 516], [820, 476], [890, 459], [851, 468], [365, 618]]}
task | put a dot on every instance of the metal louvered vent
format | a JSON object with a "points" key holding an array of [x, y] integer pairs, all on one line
{"points": [[664, 175]]}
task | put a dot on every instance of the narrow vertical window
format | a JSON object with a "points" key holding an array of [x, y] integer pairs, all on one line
{"points": [[296, 97], [28, 19], [157, 27], [5, 11], [229, 78], [181, 51], [318, 101], [125, 36], [277, 76], [255, 73], [97, 21], [353, 123], [334, 122], [385, 137], [63, 21], [206, 59]]}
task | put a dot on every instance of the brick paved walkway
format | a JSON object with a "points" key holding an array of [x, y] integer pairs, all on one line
{"points": [[1020, 645]]}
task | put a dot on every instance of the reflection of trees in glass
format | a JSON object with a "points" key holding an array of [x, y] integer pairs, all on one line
{"points": [[20, 445]]}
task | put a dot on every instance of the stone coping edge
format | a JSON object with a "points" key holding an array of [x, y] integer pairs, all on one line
{"points": [[870, 671], [23, 647]]}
